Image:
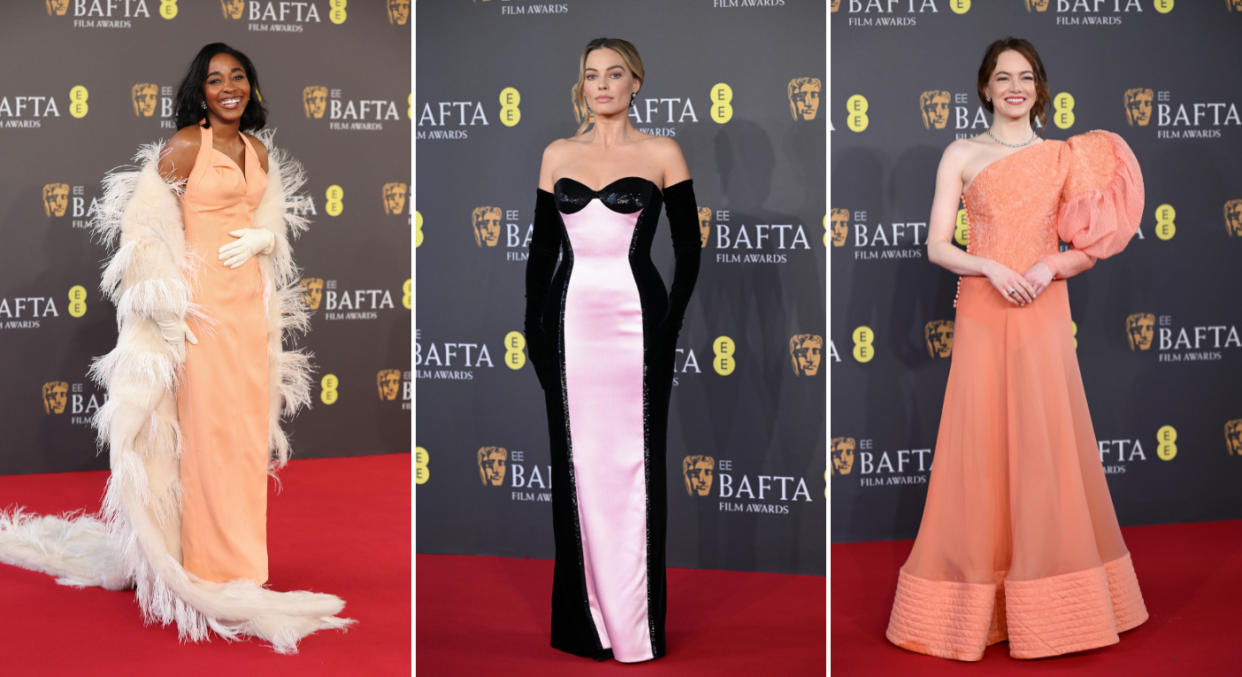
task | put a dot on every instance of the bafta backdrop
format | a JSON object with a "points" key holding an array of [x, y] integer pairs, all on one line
{"points": [[1156, 327], [86, 83], [738, 85]]}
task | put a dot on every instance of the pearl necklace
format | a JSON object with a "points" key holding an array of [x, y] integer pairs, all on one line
{"points": [[1012, 145]]}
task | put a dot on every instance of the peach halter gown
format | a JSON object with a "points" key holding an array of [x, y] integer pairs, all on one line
{"points": [[1019, 539], [222, 401]]}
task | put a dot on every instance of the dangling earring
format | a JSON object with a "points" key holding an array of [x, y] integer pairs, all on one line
{"points": [[632, 95], [204, 105]]}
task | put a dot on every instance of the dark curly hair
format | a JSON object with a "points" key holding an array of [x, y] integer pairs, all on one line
{"points": [[189, 103]]}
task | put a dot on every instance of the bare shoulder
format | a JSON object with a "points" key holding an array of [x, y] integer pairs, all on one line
{"points": [[260, 150], [668, 156], [179, 153], [186, 138]]}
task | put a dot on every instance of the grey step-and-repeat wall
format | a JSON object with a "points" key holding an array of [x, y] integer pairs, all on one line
{"points": [[737, 85], [88, 81], [1157, 326]]}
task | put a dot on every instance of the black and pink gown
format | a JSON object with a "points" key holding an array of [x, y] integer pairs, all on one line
{"points": [[601, 333]]}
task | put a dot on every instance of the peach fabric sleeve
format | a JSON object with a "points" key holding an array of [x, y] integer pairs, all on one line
{"points": [[1101, 201]]}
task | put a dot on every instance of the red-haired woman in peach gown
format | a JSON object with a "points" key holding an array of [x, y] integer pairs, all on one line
{"points": [[1019, 540]]}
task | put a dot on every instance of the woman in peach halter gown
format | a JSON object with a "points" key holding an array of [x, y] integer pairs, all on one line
{"points": [[222, 398], [1019, 540]]}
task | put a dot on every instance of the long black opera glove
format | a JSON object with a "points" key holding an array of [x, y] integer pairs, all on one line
{"points": [[683, 221], [545, 247]]}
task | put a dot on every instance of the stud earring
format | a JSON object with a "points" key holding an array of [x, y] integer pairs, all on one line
{"points": [[204, 105]]}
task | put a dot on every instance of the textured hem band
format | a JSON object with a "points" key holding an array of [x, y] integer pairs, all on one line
{"points": [[1044, 617]]}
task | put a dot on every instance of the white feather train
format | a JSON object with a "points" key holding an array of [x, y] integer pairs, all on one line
{"points": [[136, 539]]}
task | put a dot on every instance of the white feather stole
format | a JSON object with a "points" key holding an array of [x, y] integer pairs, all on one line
{"points": [[136, 538]]}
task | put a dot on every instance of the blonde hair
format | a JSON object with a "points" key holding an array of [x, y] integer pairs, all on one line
{"points": [[632, 61]]}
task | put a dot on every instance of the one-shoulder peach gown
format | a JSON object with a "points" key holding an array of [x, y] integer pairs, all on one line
{"points": [[222, 402], [1019, 539]]}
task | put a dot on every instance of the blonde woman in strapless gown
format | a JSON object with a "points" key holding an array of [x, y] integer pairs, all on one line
{"points": [[1019, 540]]}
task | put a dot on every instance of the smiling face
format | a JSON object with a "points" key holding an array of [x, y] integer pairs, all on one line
{"points": [[609, 82], [227, 89], [1012, 86]]}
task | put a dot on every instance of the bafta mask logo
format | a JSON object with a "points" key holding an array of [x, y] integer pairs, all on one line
{"points": [[1140, 328], [843, 455], [705, 225], [939, 335], [1233, 436], [1038, 5], [807, 353], [55, 199], [935, 106], [699, 471], [486, 224], [232, 8], [1235, 5], [804, 98], [836, 4], [840, 226], [389, 382], [57, 7], [1233, 214], [314, 101], [143, 95], [1138, 106], [492, 462], [398, 12], [55, 394], [394, 197], [312, 291]]}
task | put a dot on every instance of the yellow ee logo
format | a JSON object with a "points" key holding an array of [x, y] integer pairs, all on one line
{"points": [[77, 101], [722, 95], [168, 8], [959, 6], [337, 13], [77, 300], [1165, 6], [1165, 228], [514, 343], [961, 229], [418, 229], [407, 297], [857, 107], [1074, 333], [409, 112], [421, 473], [723, 348], [1166, 436], [335, 194], [510, 114], [1063, 110], [863, 337], [329, 382]]}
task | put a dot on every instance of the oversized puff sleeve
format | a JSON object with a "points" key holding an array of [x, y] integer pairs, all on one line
{"points": [[1101, 201]]}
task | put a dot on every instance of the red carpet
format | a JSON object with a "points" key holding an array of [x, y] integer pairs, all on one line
{"points": [[493, 616], [338, 525], [1190, 574]]}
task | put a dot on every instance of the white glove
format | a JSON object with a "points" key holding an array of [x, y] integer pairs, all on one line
{"points": [[175, 333], [250, 241]]}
